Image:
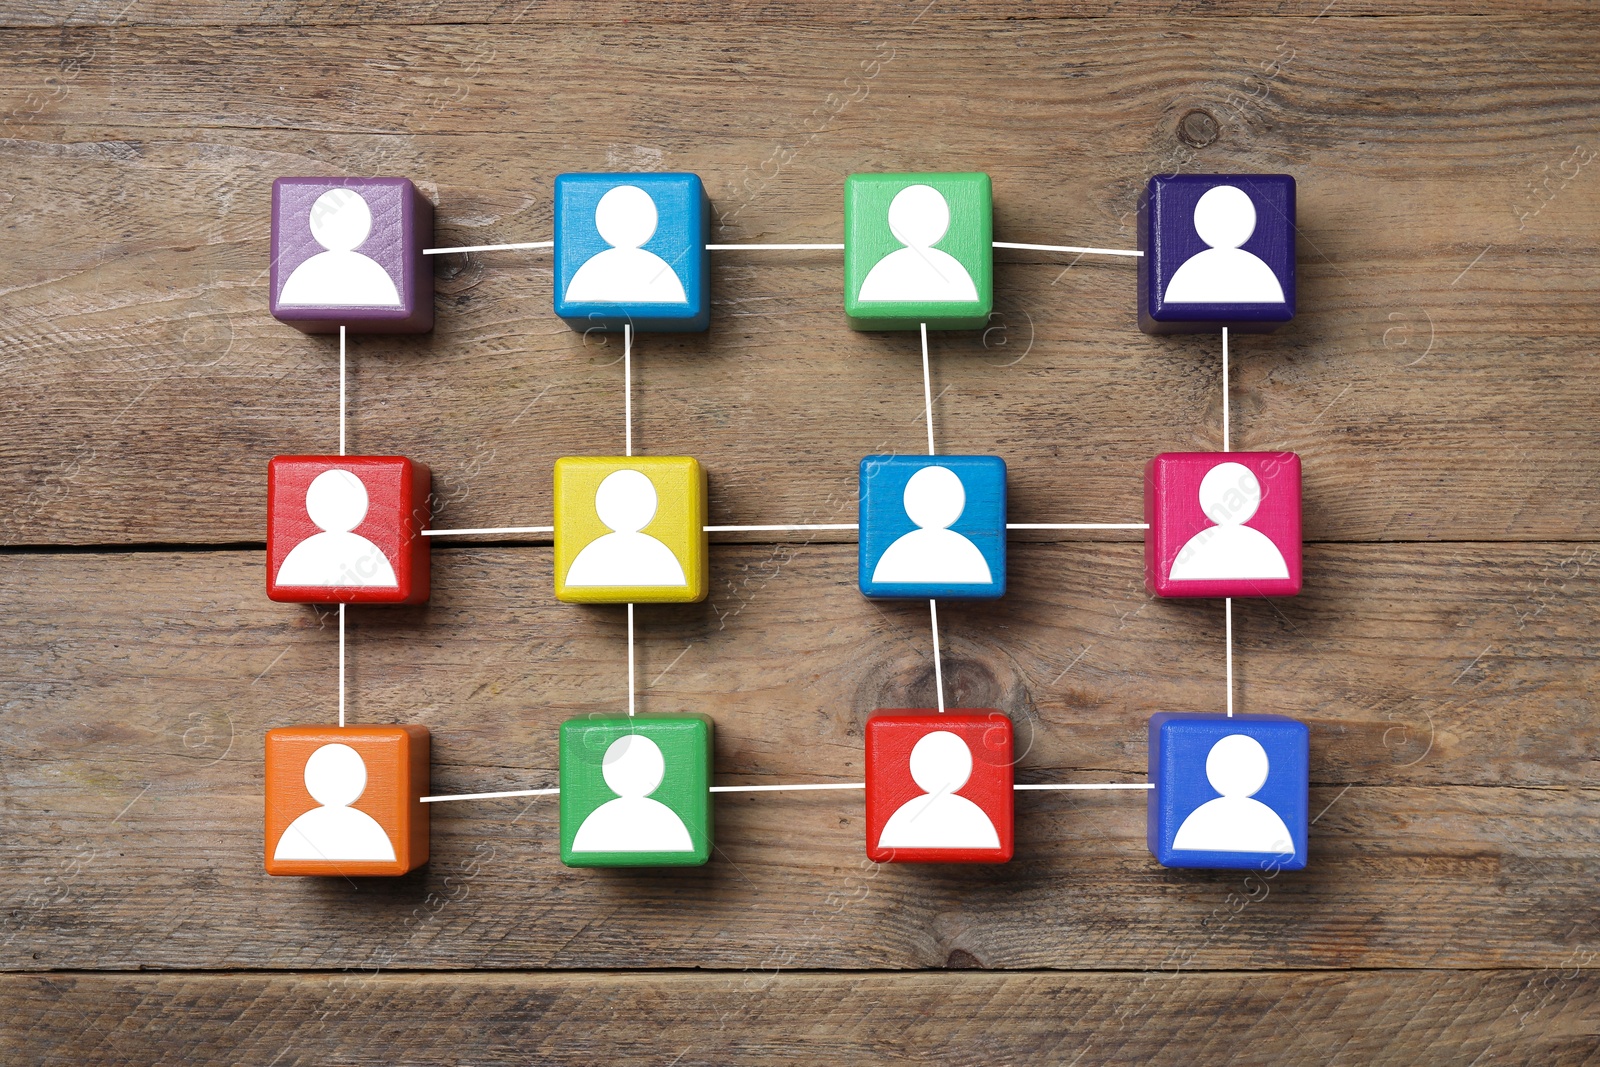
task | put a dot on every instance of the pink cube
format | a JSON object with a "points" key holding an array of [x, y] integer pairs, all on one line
{"points": [[1222, 524]]}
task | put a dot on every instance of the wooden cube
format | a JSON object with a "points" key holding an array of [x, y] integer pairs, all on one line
{"points": [[631, 249], [918, 248], [933, 527], [1231, 792], [1218, 251], [348, 252], [630, 529], [939, 786], [1222, 524], [636, 791], [347, 529], [346, 800]]}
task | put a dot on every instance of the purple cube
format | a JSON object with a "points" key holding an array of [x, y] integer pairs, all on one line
{"points": [[1218, 251], [348, 252]]}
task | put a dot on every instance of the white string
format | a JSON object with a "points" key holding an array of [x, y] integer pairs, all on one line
{"points": [[800, 526], [488, 248], [630, 661], [938, 665], [927, 387], [1091, 785], [778, 788], [765, 248], [627, 387], [1227, 612], [490, 530], [493, 796], [1077, 526], [1070, 248], [1225, 389], [341, 390], [341, 666]]}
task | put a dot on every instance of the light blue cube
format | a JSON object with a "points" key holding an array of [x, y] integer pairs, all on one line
{"points": [[631, 248], [933, 527], [1230, 793]]}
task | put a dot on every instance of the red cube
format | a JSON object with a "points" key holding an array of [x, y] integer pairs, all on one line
{"points": [[939, 786], [347, 530], [1222, 524]]}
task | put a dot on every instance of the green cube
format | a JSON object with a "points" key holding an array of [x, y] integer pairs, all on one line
{"points": [[918, 248], [636, 791]]}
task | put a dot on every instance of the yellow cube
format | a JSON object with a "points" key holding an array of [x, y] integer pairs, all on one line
{"points": [[630, 529]]}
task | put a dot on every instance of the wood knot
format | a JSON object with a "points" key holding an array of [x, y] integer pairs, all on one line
{"points": [[1198, 129]]}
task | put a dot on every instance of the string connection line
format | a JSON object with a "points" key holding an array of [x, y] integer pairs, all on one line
{"points": [[938, 665], [341, 390], [489, 530], [1070, 248], [766, 248], [630, 661], [1077, 526], [341, 666], [488, 248], [1091, 785], [798, 526], [927, 388], [493, 796], [1225, 389], [785, 788], [627, 388], [1227, 626]]}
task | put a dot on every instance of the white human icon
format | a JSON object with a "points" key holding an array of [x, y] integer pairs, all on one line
{"points": [[941, 763], [337, 502], [1224, 273], [919, 217], [934, 500], [625, 503], [336, 776], [1230, 493], [626, 272], [340, 276], [1235, 822], [633, 767]]}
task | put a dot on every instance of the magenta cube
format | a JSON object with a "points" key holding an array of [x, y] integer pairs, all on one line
{"points": [[348, 252], [1222, 524]]}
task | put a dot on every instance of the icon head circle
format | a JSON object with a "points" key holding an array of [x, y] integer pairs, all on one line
{"points": [[935, 498], [1237, 766], [626, 217], [1225, 217], [625, 501], [336, 776], [336, 501], [1230, 493], [340, 220], [941, 762], [919, 216], [633, 766]]}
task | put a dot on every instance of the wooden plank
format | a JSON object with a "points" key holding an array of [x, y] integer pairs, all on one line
{"points": [[149, 386], [1387, 1017], [521, 13], [1452, 760]]}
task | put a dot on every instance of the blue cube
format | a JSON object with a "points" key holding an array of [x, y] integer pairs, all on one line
{"points": [[1218, 251], [933, 526], [1230, 793], [631, 248]]}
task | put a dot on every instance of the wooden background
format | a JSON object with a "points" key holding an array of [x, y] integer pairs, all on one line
{"points": [[1440, 384]]}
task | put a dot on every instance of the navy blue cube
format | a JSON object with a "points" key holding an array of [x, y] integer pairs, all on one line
{"points": [[933, 526], [631, 248], [1218, 251], [1230, 793]]}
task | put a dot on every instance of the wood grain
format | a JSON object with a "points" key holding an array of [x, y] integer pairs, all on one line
{"points": [[1452, 763], [1430, 401], [1547, 1017]]}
